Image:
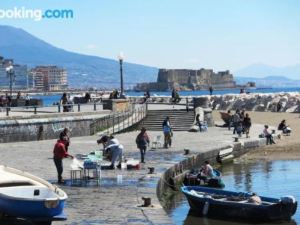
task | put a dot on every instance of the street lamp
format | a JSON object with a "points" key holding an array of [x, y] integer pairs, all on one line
{"points": [[121, 58], [11, 74]]}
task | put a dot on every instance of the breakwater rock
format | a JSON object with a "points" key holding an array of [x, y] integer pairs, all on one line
{"points": [[263, 102], [275, 102]]}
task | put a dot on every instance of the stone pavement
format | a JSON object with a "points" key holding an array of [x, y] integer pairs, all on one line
{"points": [[113, 202]]}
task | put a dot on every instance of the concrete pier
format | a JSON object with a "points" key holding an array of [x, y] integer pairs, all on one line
{"points": [[116, 202]]}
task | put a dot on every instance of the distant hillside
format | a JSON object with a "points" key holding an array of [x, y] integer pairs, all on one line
{"points": [[83, 70], [262, 70], [270, 81]]}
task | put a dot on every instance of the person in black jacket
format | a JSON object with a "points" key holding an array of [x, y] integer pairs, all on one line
{"points": [[247, 124]]}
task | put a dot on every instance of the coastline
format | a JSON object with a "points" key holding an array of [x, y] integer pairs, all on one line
{"points": [[286, 148]]}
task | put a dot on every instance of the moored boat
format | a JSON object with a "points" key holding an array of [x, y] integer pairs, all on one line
{"points": [[218, 203], [26, 196]]}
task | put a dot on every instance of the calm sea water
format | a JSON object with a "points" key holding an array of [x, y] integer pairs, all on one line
{"points": [[50, 99], [268, 178]]}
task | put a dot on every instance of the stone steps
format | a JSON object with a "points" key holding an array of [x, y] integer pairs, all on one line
{"points": [[180, 119]]}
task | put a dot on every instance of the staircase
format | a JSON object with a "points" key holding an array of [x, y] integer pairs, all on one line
{"points": [[180, 119]]}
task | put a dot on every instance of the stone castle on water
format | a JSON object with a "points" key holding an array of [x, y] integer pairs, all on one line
{"points": [[184, 79]]}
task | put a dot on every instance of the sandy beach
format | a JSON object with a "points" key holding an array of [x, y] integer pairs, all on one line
{"points": [[286, 148]]}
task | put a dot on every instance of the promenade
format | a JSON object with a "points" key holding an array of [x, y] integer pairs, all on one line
{"points": [[113, 202]]}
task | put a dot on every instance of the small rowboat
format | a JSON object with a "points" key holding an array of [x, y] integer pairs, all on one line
{"points": [[26, 196], [219, 203]]}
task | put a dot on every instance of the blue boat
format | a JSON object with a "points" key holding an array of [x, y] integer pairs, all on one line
{"points": [[26, 196], [217, 203]]}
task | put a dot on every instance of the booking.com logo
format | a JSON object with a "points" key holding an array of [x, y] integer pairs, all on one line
{"points": [[35, 14]]}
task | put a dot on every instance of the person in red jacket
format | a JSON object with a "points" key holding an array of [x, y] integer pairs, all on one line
{"points": [[59, 153]]}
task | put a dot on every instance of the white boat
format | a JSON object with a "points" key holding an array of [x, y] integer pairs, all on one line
{"points": [[25, 196]]}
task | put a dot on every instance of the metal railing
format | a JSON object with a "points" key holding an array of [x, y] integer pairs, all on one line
{"points": [[85, 107], [119, 121]]}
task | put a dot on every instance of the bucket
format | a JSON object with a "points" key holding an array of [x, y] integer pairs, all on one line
{"points": [[123, 166], [119, 179]]}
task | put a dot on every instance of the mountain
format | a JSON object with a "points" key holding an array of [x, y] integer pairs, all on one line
{"points": [[83, 70], [262, 70], [270, 81]]}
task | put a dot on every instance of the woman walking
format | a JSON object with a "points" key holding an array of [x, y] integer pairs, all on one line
{"points": [[142, 140], [247, 124]]}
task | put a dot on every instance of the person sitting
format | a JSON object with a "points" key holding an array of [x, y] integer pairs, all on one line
{"points": [[207, 172], [284, 128], [268, 135]]}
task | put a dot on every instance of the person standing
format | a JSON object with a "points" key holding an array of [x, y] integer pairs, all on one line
{"points": [[167, 132], [198, 122], [64, 102], [65, 134], [247, 124], [236, 120], [59, 153], [142, 140], [211, 90]]}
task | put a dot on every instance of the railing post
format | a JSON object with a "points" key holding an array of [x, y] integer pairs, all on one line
{"points": [[7, 111], [34, 109], [187, 104], [58, 108], [95, 106], [123, 120], [107, 118], [78, 107], [113, 124], [118, 122]]}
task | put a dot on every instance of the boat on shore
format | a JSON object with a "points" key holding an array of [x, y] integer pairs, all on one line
{"points": [[216, 203], [25, 196]]}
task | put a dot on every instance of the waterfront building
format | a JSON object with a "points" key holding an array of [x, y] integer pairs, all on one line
{"points": [[48, 78], [19, 77]]}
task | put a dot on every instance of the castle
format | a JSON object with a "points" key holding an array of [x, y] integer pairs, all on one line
{"points": [[184, 79]]}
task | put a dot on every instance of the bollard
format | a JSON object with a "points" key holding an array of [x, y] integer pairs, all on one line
{"points": [[7, 111], [95, 106], [186, 151], [78, 107], [58, 108], [147, 201], [236, 139], [151, 170], [34, 109]]}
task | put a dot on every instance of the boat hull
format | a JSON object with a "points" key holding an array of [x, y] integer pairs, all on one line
{"points": [[29, 209], [206, 206]]}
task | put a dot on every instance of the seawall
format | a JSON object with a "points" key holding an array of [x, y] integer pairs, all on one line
{"points": [[267, 102]]}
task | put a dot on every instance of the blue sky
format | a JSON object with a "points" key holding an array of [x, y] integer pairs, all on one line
{"points": [[218, 34]]}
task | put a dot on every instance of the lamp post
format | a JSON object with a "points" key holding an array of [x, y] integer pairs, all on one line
{"points": [[10, 73], [121, 58]]}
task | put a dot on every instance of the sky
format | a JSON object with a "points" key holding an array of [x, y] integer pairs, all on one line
{"points": [[217, 34]]}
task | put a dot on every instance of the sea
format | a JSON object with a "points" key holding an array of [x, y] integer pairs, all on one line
{"points": [[49, 100], [275, 178]]}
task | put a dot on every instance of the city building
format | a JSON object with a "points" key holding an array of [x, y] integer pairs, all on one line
{"points": [[19, 76], [48, 78]]}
